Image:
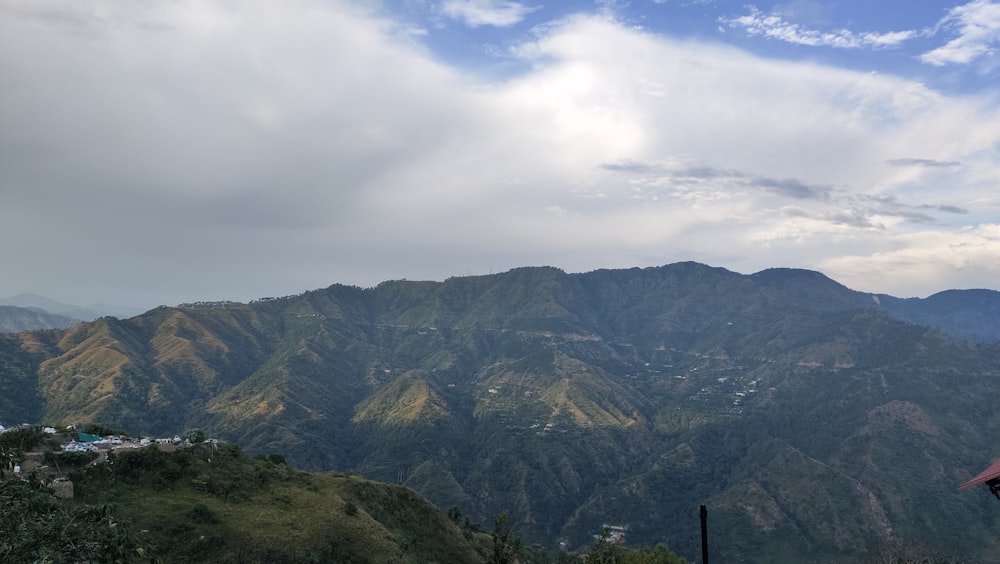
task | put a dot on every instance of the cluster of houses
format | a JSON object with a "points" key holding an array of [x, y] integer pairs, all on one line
{"points": [[85, 442], [33, 463]]}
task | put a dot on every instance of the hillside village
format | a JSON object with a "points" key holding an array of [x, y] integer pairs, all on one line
{"points": [[76, 439]]}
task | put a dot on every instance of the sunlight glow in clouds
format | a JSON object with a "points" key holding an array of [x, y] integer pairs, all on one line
{"points": [[948, 258], [200, 150]]}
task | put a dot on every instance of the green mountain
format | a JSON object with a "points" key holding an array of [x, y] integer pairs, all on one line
{"points": [[966, 314], [972, 315], [815, 422]]}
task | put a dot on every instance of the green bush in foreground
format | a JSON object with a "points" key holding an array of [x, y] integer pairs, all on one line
{"points": [[35, 526]]}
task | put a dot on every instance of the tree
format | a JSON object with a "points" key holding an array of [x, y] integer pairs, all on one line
{"points": [[98, 429], [22, 439], [506, 545], [606, 552], [195, 436]]}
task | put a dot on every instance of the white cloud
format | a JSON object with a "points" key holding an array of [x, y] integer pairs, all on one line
{"points": [[475, 13], [775, 26], [917, 264], [198, 150], [978, 26], [708, 144]]}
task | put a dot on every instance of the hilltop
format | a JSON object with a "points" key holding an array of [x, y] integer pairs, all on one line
{"points": [[208, 502], [193, 500]]}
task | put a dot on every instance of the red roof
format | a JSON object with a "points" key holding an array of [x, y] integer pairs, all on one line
{"points": [[985, 476]]}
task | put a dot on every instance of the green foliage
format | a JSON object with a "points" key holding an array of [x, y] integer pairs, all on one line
{"points": [[506, 545], [22, 439], [418, 527], [223, 471], [205, 505], [36, 527], [99, 430], [272, 458], [605, 551]]}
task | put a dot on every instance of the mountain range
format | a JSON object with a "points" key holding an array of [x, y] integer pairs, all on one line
{"points": [[815, 422], [15, 319], [63, 312]]}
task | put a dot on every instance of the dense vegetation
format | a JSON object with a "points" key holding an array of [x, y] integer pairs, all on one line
{"points": [[211, 503], [36, 527], [813, 423]]}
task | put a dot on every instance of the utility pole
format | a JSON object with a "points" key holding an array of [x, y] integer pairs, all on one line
{"points": [[704, 535]]}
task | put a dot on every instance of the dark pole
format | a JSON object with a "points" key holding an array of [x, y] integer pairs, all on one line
{"points": [[704, 535]]}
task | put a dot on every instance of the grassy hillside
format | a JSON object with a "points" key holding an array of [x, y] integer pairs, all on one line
{"points": [[213, 504]]}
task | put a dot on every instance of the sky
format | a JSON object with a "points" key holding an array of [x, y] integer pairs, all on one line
{"points": [[154, 153]]}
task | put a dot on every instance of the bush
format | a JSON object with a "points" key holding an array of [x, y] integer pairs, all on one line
{"points": [[199, 513], [35, 527], [100, 430], [22, 439]]}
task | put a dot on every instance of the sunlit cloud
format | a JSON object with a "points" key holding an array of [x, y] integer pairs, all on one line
{"points": [[475, 13], [914, 262], [978, 27], [773, 25]]}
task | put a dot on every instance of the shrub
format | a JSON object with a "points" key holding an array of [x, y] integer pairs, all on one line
{"points": [[199, 513]]}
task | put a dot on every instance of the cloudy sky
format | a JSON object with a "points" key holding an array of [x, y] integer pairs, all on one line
{"points": [[161, 152]]}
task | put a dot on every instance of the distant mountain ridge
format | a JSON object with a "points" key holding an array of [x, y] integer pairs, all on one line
{"points": [[972, 315], [813, 421], [15, 319], [965, 314], [34, 301]]}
